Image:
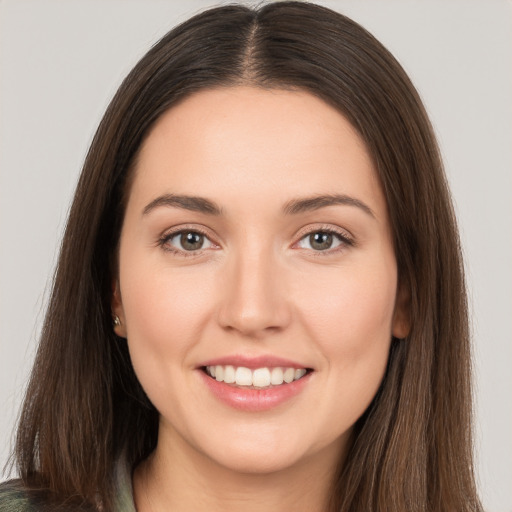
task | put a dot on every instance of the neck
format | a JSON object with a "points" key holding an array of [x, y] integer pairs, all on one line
{"points": [[177, 477]]}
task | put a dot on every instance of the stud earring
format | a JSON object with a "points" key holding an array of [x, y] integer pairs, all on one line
{"points": [[117, 321]]}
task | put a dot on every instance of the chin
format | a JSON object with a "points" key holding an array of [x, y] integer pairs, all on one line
{"points": [[246, 452], [258, 461], [265, 454]]}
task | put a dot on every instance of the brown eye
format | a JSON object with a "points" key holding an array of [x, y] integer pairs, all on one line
{"points": [[322, 241], [188, 241], [191, 241]]}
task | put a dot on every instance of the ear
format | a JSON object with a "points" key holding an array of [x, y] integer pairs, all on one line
{"points": [[118, 311], [401, 325]]}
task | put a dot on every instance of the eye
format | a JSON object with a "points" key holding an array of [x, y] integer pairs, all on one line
{"points": [[323, 240], [187, 241]]}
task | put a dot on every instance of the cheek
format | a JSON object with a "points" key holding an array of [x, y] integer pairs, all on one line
{"points": [[348, 311], [166, 310], [350, 319]]}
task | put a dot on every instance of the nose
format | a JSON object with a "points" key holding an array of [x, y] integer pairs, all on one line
{"points": [[254, 296]]}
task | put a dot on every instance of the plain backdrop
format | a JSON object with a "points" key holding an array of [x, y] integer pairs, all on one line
{"points": [[61, 62]]}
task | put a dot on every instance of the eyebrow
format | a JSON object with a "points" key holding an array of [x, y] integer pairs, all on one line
{"points": [[192, 203], [293, 207], [315, 203]]}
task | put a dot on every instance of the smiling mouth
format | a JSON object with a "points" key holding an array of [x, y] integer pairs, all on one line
{"points": [[258, 378]]}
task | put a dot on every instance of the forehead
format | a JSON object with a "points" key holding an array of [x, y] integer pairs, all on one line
{"points": [[231, 141]]}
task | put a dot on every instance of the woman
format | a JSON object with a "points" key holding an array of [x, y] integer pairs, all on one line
{"points": [[259, 301]]}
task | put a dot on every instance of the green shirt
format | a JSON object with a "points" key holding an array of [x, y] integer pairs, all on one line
{"points": [[14, 497]]}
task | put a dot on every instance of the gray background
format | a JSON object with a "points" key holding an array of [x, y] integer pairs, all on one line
{"points": [[60, 63]]}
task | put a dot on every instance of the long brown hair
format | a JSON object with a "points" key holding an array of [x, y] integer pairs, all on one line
{"points": [[84, 407]]}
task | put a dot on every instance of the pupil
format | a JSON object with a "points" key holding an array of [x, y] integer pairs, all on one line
{"points": [[191, 241], [320, 241]]}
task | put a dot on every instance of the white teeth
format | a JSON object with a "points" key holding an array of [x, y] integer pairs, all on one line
{"points": [[261, 378], [276, 377], [289, 375], [243, 376], [229, 375], [299, 372], [258, 378]]}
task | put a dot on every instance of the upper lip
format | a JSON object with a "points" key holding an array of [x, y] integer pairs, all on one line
{"points": [[253, 362]]}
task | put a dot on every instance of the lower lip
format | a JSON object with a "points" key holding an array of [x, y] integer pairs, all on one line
{"points": [[254, 400]]}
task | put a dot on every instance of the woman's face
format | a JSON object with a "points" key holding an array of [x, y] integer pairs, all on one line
{"points": [[256, 247]]}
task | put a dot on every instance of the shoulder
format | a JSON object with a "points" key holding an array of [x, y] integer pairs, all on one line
{"points": [[15, 498]]}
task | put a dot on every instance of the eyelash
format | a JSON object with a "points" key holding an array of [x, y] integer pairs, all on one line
{"points": [[163, 242], [342, 236]]}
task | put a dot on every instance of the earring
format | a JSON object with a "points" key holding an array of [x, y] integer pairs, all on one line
{"points": [[117, 321]]}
